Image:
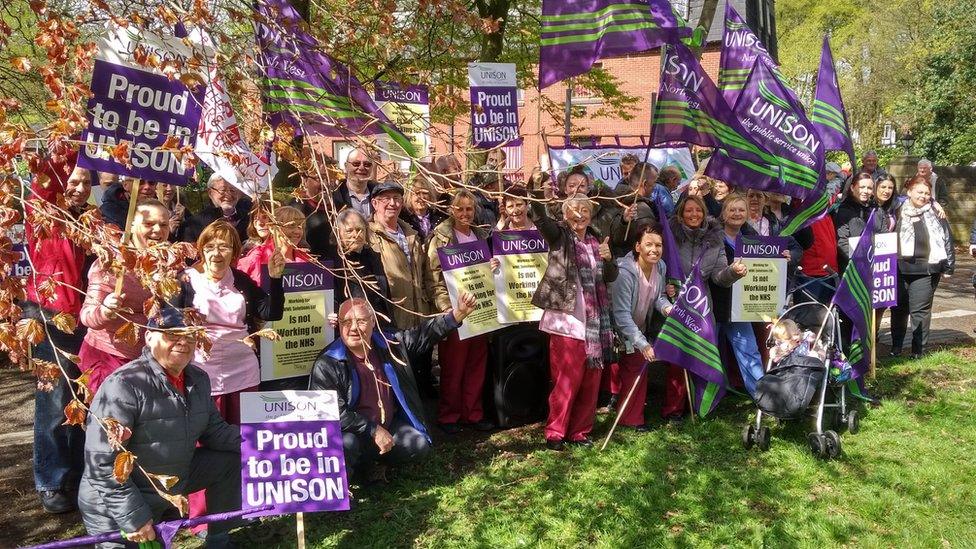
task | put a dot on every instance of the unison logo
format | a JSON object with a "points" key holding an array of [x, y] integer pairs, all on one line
{"points": [[742, 38], [772, 110], [679, 70]]}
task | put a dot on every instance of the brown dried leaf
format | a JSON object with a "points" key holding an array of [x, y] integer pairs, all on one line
{"points": [[21, 64], [149, 307], [166, 481], [116, 432], [128, 333], [124, 463], [268, 333], [120, 153], [178, 501], [65, 322], [75, 413], [30, 330]]}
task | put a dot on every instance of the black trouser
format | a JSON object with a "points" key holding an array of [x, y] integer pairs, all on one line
{"points": [[409, 444], [915, 295]]}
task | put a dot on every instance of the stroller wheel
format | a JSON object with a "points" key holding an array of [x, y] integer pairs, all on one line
{"points": [[818, 446], [762, 438], [853, 422], [833, 444], [838, 420], [748, 436]]}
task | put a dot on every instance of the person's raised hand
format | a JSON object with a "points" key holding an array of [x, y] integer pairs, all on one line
{"points": [[383, 439], [739, 268], [466, 304], [333, 320], [629, 212], [671, 291], [276, 265], [495, 264], [111, 304], [605, 249], [787, 255]]}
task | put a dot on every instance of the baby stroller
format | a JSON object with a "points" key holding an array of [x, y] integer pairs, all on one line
{"points": [[801, 384]]}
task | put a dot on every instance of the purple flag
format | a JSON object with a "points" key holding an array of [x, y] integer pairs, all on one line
{"points": [[853, 298], [690, 108], [689, 339], [306, 88], [576, 33], [672, 259], [776, 122], [740, 49], [828, 108]]}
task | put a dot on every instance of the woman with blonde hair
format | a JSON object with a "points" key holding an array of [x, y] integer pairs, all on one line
{"points": [[291, 224], [463, 363]]}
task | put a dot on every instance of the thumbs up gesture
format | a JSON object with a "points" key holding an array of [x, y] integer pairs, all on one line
{"points": [[605, 249]]}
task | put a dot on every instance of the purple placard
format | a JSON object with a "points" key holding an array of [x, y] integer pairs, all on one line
{"points": [[884, 270], [518, 242], [759, 247], [494, 117], [393, 92], [297, 466], [301, 277], [143, 108], [459, 256]]}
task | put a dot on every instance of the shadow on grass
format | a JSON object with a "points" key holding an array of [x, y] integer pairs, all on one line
{"points": [[688, 485]]}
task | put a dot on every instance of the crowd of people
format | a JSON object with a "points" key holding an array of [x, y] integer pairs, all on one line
{"points": [[604, 295]]}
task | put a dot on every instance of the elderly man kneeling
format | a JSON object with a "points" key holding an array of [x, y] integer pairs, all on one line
{"points": [[379, 407], [163, 403]]}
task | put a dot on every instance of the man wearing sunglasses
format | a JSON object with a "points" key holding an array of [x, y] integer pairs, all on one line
{"points": [[360, 168]]}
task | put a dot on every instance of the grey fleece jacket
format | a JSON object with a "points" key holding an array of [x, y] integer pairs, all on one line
{"points": [[624, 295]]}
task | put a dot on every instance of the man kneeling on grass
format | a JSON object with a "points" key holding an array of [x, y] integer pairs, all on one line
{"points": [[379, 408], [162, 406]]}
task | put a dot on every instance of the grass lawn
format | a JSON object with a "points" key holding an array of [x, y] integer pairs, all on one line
{"points": [[908, 479]]}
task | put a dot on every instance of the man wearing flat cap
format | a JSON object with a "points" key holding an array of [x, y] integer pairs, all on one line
{"points": [[162, 406]]}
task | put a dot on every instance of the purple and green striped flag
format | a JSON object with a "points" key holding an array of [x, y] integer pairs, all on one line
{"points": [[777, 123], [689, 108], [740, 49], [576, 33], [853, 298], [308, 89], [829, 113], [688, 339], [672, 259]]}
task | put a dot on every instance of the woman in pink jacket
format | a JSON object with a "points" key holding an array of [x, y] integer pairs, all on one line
{"points": [[105, 312]]}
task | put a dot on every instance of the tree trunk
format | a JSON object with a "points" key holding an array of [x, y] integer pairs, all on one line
{"points": [[303, 7], [493, 44]]}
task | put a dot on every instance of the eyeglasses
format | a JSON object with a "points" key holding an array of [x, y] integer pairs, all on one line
{"points": [[360, 164], [226, 191], [387, 199], [360, 323]]}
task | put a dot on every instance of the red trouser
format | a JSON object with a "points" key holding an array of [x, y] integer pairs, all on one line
{"points": [[229, 407], [610, 380], [463, 365], [630, 367], [572, 402], [675, 392]]}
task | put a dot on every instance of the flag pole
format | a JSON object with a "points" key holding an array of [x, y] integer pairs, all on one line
{"points": [[300, 529], [620, 411], [874, 341], [691, 401], [127, 233]]}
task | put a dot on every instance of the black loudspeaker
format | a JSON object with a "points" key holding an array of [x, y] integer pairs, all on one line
{"points": [[520, 374]]}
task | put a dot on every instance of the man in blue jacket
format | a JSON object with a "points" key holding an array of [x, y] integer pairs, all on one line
{"points": [[380, 410]]}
